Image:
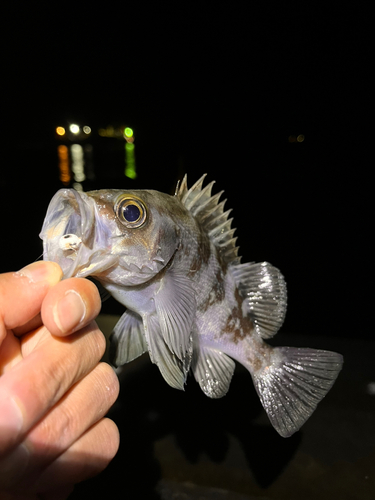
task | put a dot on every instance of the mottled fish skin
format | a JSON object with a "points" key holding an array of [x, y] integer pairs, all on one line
{"points": [[172, 261]]}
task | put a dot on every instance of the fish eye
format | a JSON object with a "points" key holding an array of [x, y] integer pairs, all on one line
{"points": [[131, 212]]}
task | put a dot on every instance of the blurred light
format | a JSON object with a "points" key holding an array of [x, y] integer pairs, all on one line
{"points": [[74, 128], [60, 131], [63, 152], [110, 131], [130, 170], [371, 388], [292, 138], [129, 134], [77, 162], [65, 176], [300, 138], [87, 130]]}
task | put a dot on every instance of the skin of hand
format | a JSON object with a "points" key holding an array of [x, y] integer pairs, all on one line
{"points": [[54, 391]]}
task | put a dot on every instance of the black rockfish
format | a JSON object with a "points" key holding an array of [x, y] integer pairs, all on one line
{"points": [[172, 261]]}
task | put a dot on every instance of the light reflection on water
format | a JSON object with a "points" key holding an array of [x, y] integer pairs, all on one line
{"points": [[76, 155]]}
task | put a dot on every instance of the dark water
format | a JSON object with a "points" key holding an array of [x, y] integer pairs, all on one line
{"points": [[183, 445], [292, 205]]}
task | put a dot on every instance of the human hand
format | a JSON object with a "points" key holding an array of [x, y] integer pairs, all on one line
{"points": [[54, 391]]}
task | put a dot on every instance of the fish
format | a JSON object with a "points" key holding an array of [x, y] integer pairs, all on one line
{"points": [[173, 262]]}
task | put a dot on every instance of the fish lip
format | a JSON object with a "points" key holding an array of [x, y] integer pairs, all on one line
{"points": [[73, 212]]}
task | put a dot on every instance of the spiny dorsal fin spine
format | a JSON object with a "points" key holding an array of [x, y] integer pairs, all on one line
{"points": [[205, 194], [209, 212], [182, 188], [196, 199], [220, 229], [228, 239], [188, 198], [212, 207], [219, 219], [232, 255]]}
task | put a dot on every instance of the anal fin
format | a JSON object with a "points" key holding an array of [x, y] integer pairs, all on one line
{"points": [[213, 371], [292, 385]]}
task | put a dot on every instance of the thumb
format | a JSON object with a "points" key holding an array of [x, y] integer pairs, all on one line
{"points": [[22, 293]]}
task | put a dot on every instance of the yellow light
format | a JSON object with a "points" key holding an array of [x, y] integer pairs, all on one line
{"points": [[64, 164], [128, 132], [74, 128], [63, 152], [301, 138], [87, 130], [60, 131]]}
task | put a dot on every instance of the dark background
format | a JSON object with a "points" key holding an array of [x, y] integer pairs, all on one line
{"points": [[216, 89]]}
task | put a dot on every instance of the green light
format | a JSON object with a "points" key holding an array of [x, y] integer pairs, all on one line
{"points": [[130, 169], [128, 132], [130, 172]]}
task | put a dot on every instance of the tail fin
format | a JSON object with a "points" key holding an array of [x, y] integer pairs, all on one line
{"points": [[293, 383]]}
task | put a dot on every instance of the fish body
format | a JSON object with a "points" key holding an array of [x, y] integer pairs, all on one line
{"points": [[172, 261]]}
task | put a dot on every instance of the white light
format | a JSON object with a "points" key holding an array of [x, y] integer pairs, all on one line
{"points": [[77, 163], [74, 128], [86, 129]]}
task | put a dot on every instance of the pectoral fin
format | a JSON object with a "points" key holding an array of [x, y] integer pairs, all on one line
{"points": [[127, 340], [176, 307], [173, 369]]}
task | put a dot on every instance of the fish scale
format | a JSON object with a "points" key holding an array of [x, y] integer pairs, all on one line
{"points": [[173, 262]]}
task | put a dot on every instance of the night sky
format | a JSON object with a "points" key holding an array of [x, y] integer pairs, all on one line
{"points": [[213, 89]]}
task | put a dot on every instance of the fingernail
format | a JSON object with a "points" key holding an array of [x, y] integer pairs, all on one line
{"points": [[69, 312], [11, 422], [42, 271]]}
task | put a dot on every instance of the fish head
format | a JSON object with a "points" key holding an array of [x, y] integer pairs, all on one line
{"points": [[121, 237]]}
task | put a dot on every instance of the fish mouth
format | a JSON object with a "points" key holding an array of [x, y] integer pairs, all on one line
{"points": [[74, 237]]}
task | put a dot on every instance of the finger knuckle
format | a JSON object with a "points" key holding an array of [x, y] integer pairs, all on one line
{"points": [[96, 342], [108, 382]]}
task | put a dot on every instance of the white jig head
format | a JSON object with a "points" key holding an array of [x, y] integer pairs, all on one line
{"points": [[69, 242]]}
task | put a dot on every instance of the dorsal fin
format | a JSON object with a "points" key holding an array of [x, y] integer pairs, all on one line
{"points": [[210, 214], [263, 288]]}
